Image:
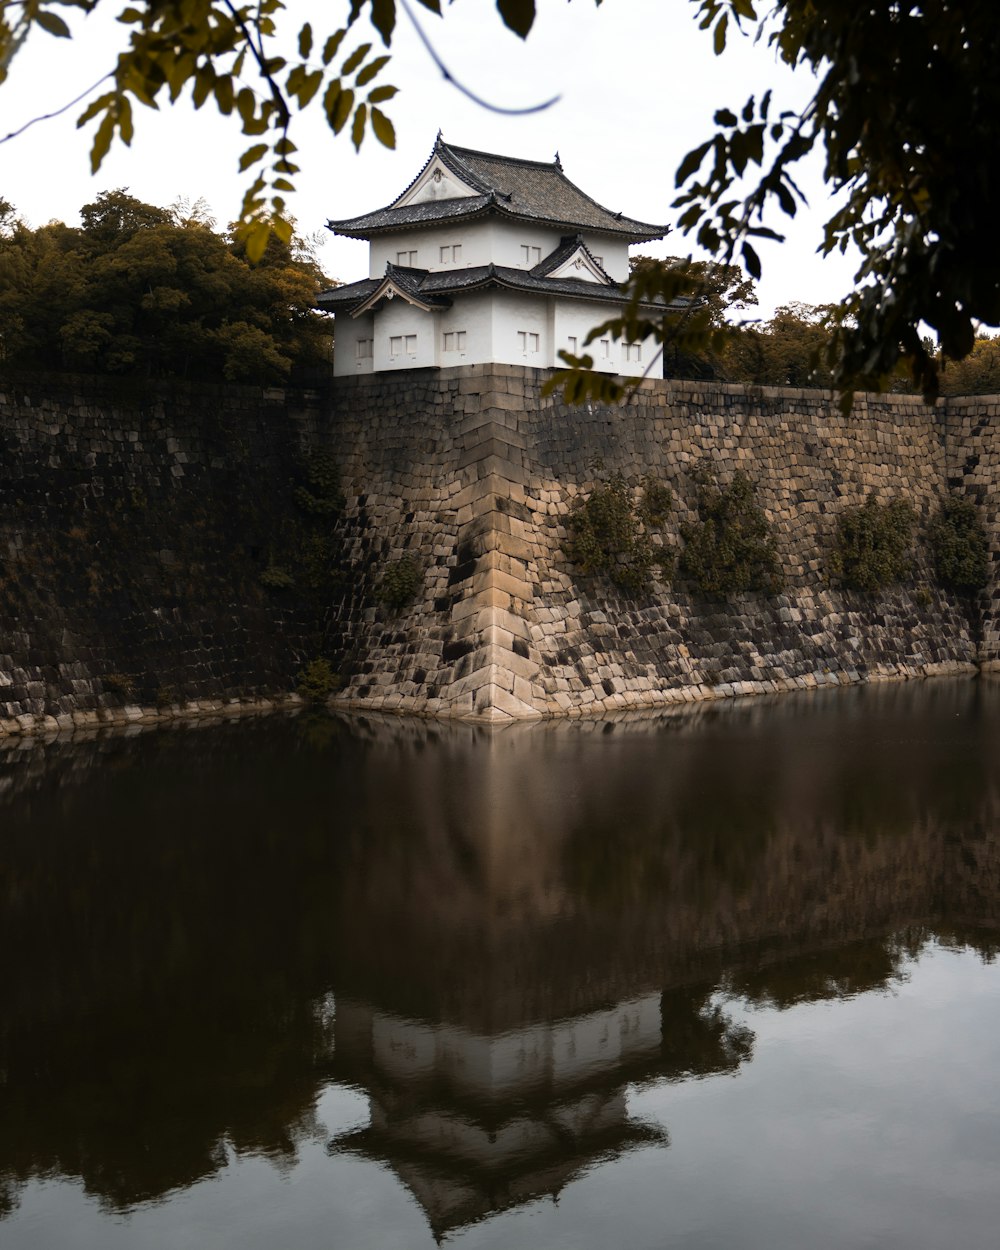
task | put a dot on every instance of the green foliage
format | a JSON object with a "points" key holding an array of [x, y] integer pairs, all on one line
{"points": [[959, 544], [317, 681], [252, 64], [321, 496], [977, 374], [874, 543], [610, 534], [274, 577], [152, 292], [731, 548], [400, 583]]}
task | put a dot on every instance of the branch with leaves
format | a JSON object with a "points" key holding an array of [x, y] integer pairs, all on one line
{"points": [[235, 56]]}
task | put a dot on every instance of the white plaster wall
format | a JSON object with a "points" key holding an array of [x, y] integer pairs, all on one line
{"points": [[613, 254], [347, 331], [574, 319], [474, 314], [399, 317], [514, 313], [484, 242]]}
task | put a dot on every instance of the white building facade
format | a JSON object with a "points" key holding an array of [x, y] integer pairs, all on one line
{"points": [[484, 259]]}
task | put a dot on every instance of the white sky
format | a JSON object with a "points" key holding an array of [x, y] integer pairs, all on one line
{"points": [[638, 86]]}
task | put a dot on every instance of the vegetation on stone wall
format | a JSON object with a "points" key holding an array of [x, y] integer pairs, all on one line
{"points": [[316, 681], [959, 545], [731, 548], [611, 534], [154, 292], [873, 547], [306, 554], [399, 584]]}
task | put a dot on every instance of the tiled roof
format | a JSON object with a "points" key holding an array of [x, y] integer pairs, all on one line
{"points": [[431, 287], [508, 186]]}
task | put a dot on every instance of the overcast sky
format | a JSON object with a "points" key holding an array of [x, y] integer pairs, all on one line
{"points": [[637, 81]]}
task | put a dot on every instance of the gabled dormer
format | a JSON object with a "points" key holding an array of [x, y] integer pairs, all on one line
{"points": [[574, 259]]}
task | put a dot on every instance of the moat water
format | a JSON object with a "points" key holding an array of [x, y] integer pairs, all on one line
{"points": [[720, 978]]}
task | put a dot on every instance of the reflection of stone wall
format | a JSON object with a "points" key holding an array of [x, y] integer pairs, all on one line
{"points": [[472, 472], [185, 913]]}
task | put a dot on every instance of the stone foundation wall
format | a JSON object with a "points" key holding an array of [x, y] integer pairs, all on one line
{"points": [[135, 523], [138, 526], [474, 475]]}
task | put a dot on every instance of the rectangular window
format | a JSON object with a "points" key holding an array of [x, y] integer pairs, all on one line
{"points": [[530, 255], [633, 351], [411, 345], [606, 348], [571, 344], [364, 348], [527, 341], [454, 340], [396, 345], [450, 253], [407, 259]]}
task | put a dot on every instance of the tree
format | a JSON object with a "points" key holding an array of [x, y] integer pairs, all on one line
{"points": [[719, 294], [906, 114], [789, 350], [146, 290]]}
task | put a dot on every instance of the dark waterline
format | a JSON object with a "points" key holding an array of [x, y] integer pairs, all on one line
{"points": [[719, 978]]}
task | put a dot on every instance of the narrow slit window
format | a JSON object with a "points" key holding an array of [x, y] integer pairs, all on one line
{"points": [[454, 340], [527, 341]]}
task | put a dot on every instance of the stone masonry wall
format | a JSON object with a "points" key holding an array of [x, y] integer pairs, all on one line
{"points": [[470, 472], [138, 526], [135, 522]]}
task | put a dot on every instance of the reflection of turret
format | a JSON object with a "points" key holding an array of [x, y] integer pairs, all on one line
{"points": [[474, 1123]]}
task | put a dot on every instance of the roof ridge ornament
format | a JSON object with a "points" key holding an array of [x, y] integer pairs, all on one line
{"points": [[557, 162]]}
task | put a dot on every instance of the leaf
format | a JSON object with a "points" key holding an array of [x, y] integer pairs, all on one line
{"points": [[719, 35], [691, 163], [433, 5], [342, 110], [305, 41], [383, 18], [52, 23], [256, 240], [370, 70], [725, 117], [125, 126], [378, 95], [332, 44], [518, 15], [384, 130], [252, 155], [358, 129], [282, 184], [102, 141], [355, 59], [223, 89], [245, 102], [95, 107], [751, 261]]}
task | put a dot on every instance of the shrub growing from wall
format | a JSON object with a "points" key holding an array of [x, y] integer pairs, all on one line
{"points": [[874, 544], [611, 534], [959, 545], [731, 548]]}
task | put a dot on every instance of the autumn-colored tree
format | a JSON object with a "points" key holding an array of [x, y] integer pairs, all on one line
{"points": [[147, 290]]}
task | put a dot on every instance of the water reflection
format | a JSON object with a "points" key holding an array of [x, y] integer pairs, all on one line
{"points": [[494, 935]]}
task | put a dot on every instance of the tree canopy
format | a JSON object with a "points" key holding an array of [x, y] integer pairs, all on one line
{"points": [[151, 291], [905, 114]]}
